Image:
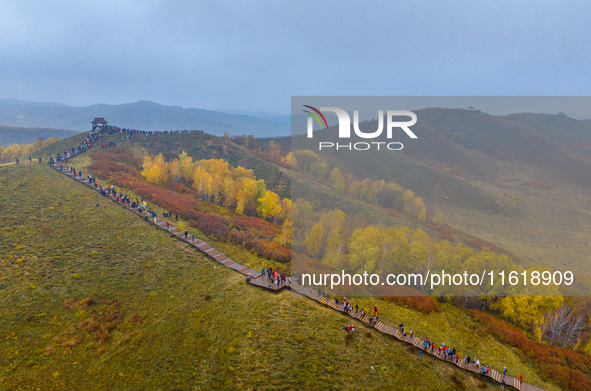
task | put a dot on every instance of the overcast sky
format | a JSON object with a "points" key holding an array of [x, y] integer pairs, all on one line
{"points": [[254, 55]]}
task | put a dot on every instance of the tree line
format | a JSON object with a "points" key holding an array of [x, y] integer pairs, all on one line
{"points": [[389, 194], [17, 150], [215, 181], [341, 242]]}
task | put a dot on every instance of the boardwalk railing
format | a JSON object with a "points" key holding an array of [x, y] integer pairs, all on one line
{"points": [[261, 280]]}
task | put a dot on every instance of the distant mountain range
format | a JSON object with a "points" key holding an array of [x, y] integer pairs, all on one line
{"points": [[143, 115]]}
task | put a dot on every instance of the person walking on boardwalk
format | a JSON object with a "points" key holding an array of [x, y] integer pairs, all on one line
{"points": [[520, 379], [167, 225], [503, 383], [186, 234], [17, 161], [504, 371], [29, 159]]}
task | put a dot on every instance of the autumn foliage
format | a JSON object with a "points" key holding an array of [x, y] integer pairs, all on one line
{"points": [[564, 367], [424, 304], [15, 150], [165, 190], [444, 231], [389, 195]]}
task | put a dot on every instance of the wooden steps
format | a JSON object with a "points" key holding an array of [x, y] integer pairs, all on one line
{"points": [[261, 280]]}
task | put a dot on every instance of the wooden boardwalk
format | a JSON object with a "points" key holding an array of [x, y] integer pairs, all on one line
{"points": [[260, 280]]}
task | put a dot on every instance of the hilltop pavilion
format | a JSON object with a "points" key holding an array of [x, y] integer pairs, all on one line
{"points": [[99, 123]]}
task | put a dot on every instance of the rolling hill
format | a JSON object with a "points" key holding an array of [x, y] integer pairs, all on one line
{"points": [[521, 182], [143, 115], [130, 307]]}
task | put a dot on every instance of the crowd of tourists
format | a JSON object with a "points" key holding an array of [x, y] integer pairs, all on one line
{"points": [[95, 138], [114, 129], [275, 278], [443, 351]]}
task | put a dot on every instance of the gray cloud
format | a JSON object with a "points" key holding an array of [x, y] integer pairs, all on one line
{"points": [[254, 55]]}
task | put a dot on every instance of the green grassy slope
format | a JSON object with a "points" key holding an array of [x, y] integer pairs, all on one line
{"points": [[518, 181], [162, 316], [59, 146]]}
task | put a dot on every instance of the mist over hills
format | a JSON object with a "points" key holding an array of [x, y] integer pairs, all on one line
{"points": [[143, 115], [469, 144], [520, 181]]}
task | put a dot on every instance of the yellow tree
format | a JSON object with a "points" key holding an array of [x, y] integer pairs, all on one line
{"points": [[285, 209], [333, 222], [364, 249], [187, 166], [152, 170], [338, 180], [246, 199], [269, 206], [290, 160], [313, 240], [174, 168], [285, 234]]}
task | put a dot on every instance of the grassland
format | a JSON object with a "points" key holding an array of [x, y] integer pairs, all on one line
{"points": [[98, 299], [59, 146], [520, 182]]}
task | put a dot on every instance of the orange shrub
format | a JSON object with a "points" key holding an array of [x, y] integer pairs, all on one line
{"points": [[253, 233], [566, 368], [443, 230], [424, 304]]}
